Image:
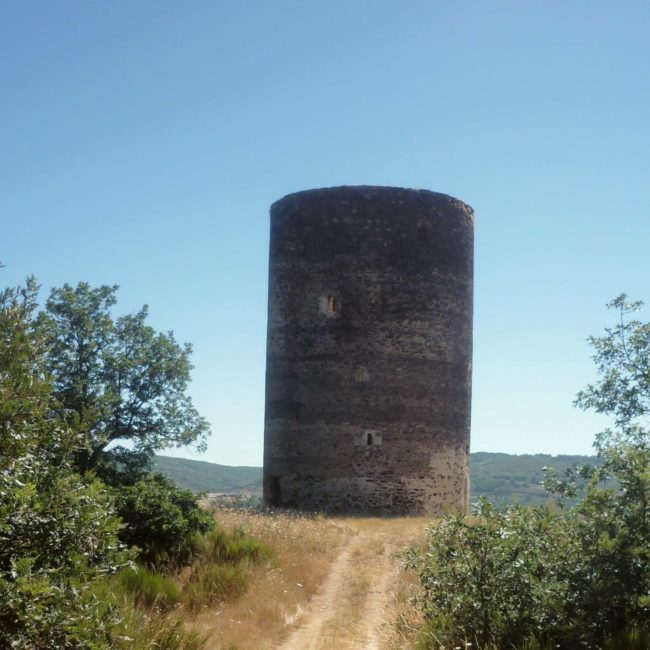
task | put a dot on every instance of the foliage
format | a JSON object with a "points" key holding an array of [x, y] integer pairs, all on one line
{"points": [[622, 359], [24, 392], [613, 517], [58, 538], [117, 380], [220, 569], [163, 521], [59, 544], [149, 588], [218, 546], [58, 533], [529, 577], [488, 580], [123, 387]]}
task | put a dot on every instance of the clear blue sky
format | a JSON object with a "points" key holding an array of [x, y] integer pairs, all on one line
{"points": [[142, 143]]}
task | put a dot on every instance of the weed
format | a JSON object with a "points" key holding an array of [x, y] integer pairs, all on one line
{"points": [[149, 588], [219, 546], [213, 582]]}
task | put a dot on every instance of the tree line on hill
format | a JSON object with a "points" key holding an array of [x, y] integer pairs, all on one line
{"points": [[501, 478]]}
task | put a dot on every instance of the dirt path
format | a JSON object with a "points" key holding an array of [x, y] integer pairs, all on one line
{"points": [[354, 609]]}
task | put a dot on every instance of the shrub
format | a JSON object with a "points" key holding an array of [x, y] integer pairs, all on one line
{"points": [[496, 579], [576, 578], [610, 576], [162, 521]]}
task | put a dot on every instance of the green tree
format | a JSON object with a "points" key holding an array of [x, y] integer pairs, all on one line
{"points": [[24, 394], [622, 359], [613, 516], [121, 383], [58, 532]]}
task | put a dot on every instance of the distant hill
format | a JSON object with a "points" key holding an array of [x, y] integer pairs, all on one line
{"points": [[510, 478], [502, 478], [199, 476]]}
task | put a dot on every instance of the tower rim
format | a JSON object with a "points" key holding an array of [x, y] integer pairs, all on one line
{"points": [[369, 191]]}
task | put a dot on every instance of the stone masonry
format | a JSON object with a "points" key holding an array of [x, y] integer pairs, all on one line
{"points": [[368, 377]]}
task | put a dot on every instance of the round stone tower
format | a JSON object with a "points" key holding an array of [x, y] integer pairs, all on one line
{"points": [[368, 375]]}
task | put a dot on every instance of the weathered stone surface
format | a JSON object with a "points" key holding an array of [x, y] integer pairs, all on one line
{"points": [[368, 378]]}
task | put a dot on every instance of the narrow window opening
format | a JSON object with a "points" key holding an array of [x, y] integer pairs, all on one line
{"points": [[331, 304], [361, 375], [369, 439]]}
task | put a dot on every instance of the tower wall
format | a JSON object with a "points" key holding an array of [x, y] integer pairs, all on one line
{"points": [[368, 377]]}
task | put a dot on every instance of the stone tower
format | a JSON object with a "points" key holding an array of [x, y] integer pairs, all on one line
{"points": [[368, 375]]}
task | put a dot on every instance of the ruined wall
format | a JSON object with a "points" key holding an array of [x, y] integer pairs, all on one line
{"points": [[368, 376]]}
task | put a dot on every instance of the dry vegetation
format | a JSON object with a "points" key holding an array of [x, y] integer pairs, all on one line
{"points": [[304, 548], [333, 583]]}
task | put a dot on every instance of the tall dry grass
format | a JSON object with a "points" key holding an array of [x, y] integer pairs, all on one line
{"points": [[303, 549], [261, 579], [371, 599]]}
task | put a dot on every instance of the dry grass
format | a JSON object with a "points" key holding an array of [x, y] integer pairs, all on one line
{"points": [[334, 583], [292, 581], [356, 608], [407, 619], [304, 549]]}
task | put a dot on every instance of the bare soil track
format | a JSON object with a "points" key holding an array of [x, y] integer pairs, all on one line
{"points": [[356, 606]]}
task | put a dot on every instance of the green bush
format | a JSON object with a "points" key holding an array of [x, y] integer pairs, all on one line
{"points": [[575, 578], [529, 577], [58, 539], [495, 579], [162, 521]]}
